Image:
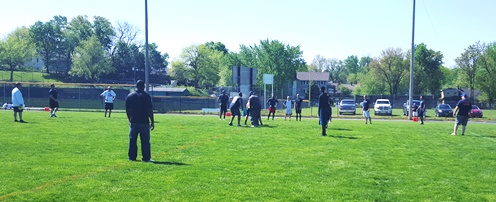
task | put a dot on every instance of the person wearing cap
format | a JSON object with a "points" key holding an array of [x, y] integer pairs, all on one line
{"points": [[223, 104], [236, 103], [366, 109], [288, 104], [139, 111], [463, 108], [53, 95], [109, 97], [17, 102]]}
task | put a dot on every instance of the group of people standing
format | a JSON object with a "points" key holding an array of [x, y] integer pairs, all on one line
{"points": [[254, 107], [18, 102]]}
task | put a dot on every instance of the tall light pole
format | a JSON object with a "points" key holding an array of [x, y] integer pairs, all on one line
{"points": [[147, 62], [410, 93]]}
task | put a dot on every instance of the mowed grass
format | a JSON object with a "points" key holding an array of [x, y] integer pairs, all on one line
{"points": [[82, 156]]}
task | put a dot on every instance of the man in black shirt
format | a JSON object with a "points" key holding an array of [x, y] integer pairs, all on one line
{"points": [[272, 106], [223, 104], [255, 107], [324, 110], [237, 102], [298, 102], [463, 107], [139, 111], [53, 103]]}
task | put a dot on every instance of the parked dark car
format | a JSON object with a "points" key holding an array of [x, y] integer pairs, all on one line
{"points": [[347, 106], [475, 112], [444, 110]]}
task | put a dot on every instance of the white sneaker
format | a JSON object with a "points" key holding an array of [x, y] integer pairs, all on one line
{"points": [[453, 134]]}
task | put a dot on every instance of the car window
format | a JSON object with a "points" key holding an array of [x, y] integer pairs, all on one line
{"points": [[382, 102], [444, 107], [348, 102]]}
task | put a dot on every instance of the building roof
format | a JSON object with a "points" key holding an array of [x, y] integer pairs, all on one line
{"points": [[314, 76], [176, 90]]}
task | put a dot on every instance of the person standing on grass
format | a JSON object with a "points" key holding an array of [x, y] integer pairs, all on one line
{"points": [[463, 108], [139, 111], [272, 106], [366, 109], [421, 110], [288, 104], [324, 110], [236, 103], [53, 95], [109, 97], [255, 107], [331, 103], [17, 102], [297, 106], [223, 104]]}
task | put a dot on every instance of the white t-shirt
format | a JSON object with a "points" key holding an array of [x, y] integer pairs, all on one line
{"points": [[109, 96], [17, 99]]}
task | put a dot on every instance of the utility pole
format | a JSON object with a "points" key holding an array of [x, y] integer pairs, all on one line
{"points": [[410, 94]]}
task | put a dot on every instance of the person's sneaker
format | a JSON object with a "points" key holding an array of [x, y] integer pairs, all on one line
{"points": [[463, 133], [230, 123], [16, 120], [239, 125], [453, 133], [365, 122], [148, 161], [22, 121], [54, 115], [324, 135]]}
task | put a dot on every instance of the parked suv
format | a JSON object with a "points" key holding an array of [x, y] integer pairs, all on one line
{"points": [[383, 106], [406, 106], [347, 106]]}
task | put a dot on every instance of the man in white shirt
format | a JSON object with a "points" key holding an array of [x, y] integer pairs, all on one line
{"points": [[17, 102], [109, 97]]}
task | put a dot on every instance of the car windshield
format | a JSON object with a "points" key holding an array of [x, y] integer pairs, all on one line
{"points": [[444, 107], [475, 107], [416, 103], [346, 102], [383, 102]]}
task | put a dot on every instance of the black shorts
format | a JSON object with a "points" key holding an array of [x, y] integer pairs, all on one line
{"points": [[109, 105], [16, 109], [235, 112], [298, 111], [223, 109], [54, 104]]}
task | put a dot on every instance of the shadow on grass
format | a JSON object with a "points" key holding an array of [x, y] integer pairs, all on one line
{"points": [[343, 137], [344, 129], [170, 163]]}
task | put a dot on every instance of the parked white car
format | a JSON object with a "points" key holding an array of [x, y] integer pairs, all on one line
{"points": [[383, 107]]}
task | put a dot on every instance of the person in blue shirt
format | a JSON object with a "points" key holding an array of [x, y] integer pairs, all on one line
{"points": [[223, 104], [463, 108], [366, 109], [236, 104], [324, 110], [421, 110]]}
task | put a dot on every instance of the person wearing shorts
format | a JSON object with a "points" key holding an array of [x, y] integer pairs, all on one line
{"points": [[223, 99], [297, 106], [366, 109], [236, 104], [288, 104], [53, 102], [109, 97], [463, 108], [17, 102], [272, 106]]}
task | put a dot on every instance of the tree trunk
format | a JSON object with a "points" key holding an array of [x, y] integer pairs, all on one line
{"points": [[12, 73]]}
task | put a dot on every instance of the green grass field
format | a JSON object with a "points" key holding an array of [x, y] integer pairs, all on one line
{"points": [[25, 76], [82, 156]]}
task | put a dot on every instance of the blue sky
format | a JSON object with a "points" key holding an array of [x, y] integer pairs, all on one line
{"points": [[331, 28]]}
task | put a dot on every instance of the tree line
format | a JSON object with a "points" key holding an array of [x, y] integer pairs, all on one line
{"points": [[91, 51]]}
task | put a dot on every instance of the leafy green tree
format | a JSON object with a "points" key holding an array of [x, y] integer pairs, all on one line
{"points": [[336, 70], [319, 64], [352, 68], [124, 61], [104, 31], [218, 46], [90, 60], [204, 63], [428, 76], [16, 49], [50, 41], [181, 72], [392, 67], [158, 64], [487, 73], [468, 62], [273, 57]]}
